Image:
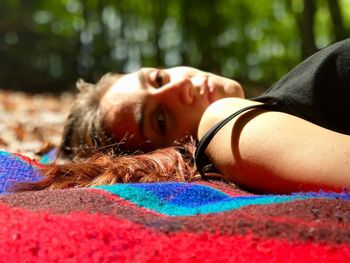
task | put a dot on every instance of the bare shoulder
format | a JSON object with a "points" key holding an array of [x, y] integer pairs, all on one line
{"points": [[275, 152], [220, 110]]}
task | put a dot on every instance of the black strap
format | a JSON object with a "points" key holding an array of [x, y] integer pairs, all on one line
{"points": [[201, 160]]}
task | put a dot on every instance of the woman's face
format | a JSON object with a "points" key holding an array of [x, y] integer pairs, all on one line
{"points": [[159, 106]]}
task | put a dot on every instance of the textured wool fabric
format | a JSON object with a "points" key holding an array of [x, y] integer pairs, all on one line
{"points": [[170, 222], [16, 168]]}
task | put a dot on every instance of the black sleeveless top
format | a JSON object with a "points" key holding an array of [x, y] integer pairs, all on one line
{"points": [[317, 90]]}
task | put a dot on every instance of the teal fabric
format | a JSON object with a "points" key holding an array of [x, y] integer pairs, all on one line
{"points": [[186, 199]]}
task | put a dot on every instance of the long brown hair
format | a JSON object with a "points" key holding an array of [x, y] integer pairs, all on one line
{"points": [[84, 132], [168, 164]]}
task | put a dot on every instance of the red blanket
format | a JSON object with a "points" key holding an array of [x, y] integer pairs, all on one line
{"points": [[173, 222]]}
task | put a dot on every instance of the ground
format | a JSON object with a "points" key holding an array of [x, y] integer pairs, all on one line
{"points": [[31, 123]]}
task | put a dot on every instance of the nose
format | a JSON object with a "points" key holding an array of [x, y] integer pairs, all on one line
{"points": [[182, 90]]}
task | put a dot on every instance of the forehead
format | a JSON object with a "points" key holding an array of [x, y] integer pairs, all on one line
{"points": [[121, 108]]}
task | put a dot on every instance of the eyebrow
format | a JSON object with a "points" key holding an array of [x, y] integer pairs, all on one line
{"points": [[142, 78], [140, 116]]}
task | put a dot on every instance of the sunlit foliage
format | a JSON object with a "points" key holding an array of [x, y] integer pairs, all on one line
{"points": [[48, 44]]}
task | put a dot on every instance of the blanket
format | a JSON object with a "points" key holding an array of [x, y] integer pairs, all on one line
{"points": [[167, 222]]}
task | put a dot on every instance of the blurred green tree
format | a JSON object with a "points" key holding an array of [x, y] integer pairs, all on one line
{"points": [[45, 45]]}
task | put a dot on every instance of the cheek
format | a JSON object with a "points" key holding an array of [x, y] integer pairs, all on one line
{"points": [[189, 124], [121, 126]]}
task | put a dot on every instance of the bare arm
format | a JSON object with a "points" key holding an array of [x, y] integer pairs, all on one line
{"points": [[276, 152]]}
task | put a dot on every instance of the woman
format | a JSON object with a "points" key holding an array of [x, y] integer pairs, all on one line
{"points": [[143, 110], [294, 137]]}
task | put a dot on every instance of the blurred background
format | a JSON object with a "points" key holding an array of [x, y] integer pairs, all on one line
{"points": [[46, 45]]}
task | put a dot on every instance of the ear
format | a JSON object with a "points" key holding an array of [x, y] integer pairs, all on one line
{"points": [[82, 85]]}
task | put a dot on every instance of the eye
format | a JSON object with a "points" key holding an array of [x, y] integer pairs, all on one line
{"points": [[161, 122], [159, 78]]}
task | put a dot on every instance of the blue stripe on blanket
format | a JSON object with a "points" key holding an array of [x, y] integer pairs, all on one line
{"points": [[13, 170], [186, 199]]}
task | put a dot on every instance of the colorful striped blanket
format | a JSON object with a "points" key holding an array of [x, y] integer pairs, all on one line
{"points": [[167, 222]]}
